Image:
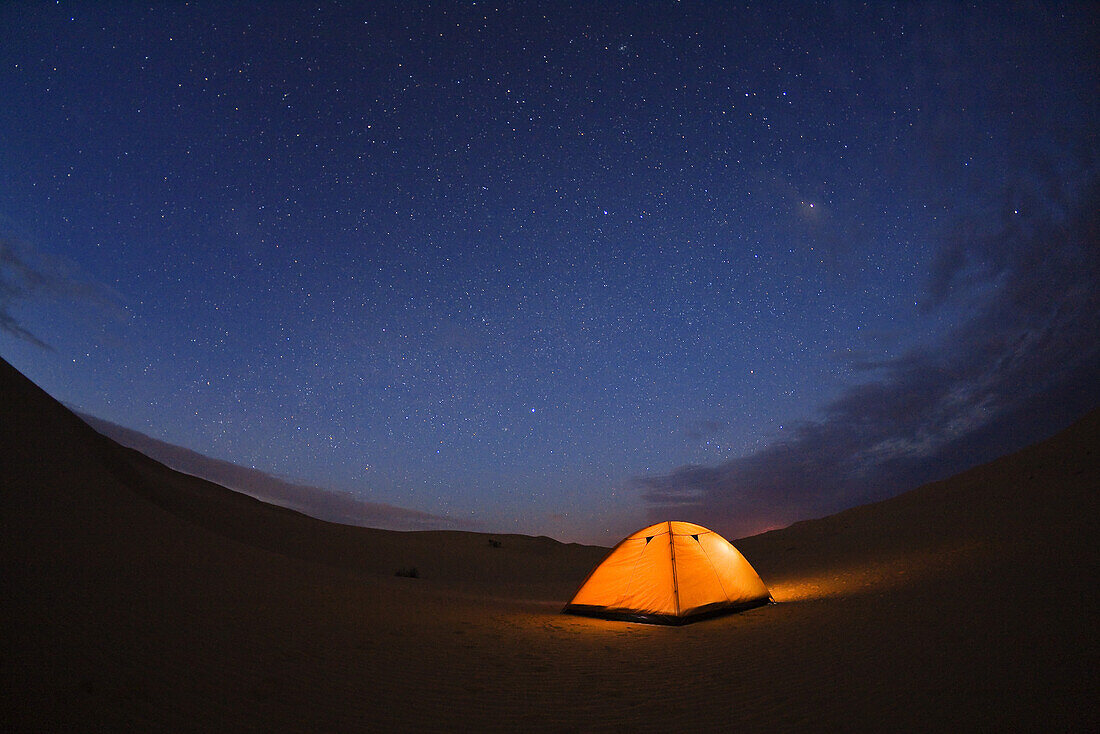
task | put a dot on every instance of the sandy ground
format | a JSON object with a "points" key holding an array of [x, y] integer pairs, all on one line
{"points": [[139, 598]]}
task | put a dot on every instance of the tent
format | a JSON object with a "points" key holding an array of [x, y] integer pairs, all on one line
{"points": [[670, 573]]}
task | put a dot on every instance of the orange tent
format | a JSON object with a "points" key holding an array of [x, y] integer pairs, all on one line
{"points": [[670, 573]]}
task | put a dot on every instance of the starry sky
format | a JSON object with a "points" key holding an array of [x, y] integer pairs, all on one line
{"points": [[559, 268]]}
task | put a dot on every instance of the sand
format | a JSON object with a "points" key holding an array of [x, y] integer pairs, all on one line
{"points": [[139, 598]]}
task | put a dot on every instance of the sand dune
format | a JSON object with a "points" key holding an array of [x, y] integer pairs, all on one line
{"points": [[318, 502], [140, 598]]}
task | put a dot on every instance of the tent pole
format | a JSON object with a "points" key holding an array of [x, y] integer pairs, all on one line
{"points": [[672, 553]]}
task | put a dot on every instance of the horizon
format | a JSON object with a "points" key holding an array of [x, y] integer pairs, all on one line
{"points": [[565, 272], [345, 509]]}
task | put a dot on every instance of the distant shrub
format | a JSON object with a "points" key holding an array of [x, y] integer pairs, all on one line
{"points": [[409, 573], [494, 543]]}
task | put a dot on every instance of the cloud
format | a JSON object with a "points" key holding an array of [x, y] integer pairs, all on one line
{"points": [[24, 277], [1025, 363], [18, 280], [697, 430], [317, 502]]}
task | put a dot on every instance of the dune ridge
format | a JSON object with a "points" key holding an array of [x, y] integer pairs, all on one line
{"points": [[142, 598], [324, 504]]}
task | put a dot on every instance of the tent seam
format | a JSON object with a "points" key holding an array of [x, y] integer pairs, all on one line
{"points": [[675, 580], [714, 571]]}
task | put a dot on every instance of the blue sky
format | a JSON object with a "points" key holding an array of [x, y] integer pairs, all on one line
{"points": [[552, 268]]}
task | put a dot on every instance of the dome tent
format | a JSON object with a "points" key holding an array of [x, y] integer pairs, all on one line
{"points": [[670, 573]]}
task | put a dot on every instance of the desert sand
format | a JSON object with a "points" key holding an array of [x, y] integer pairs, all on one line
{"points": [[138, 598]]}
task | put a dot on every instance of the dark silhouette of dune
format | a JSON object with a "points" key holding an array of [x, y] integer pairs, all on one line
{"points": [[139, 598], [324, 504], [56, 457]]}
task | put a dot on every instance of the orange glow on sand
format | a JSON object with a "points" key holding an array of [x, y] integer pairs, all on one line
{"points": [[869, 577]]}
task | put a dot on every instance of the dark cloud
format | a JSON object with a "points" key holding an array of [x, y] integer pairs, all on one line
{"points": [[317, 502], [18, 280], [698, 430], [1023, 364], [24, 277]]}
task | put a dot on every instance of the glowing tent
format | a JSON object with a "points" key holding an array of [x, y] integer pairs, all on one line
{"points": [[670, 573]]}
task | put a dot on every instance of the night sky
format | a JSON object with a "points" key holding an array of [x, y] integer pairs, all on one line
{"points": [[559, 269]]}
